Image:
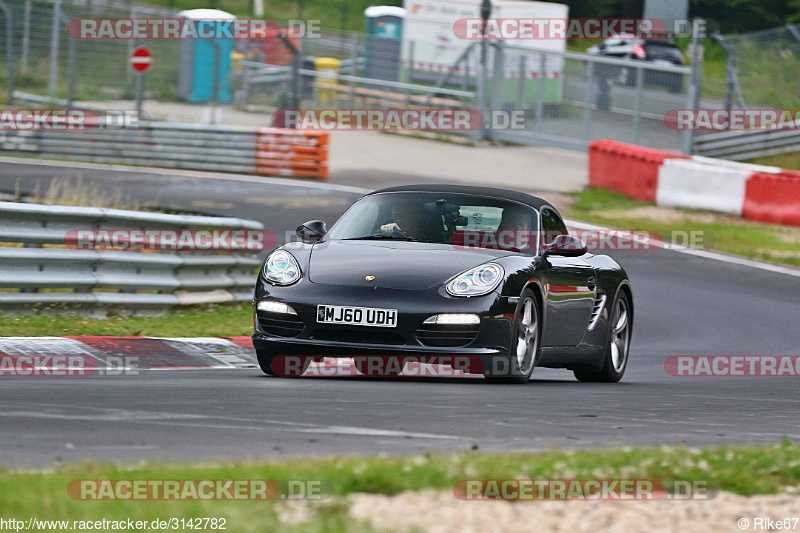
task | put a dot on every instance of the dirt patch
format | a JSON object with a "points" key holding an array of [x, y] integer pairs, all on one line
{"points": [[440, 512], [790, 235], [665, 215]]}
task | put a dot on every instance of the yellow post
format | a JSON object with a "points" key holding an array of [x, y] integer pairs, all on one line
{"points": [[327, 68], [236, 61]]}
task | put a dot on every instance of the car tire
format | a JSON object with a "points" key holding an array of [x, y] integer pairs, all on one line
{"points": [[265, 364], [618, 344], [522, 358]]}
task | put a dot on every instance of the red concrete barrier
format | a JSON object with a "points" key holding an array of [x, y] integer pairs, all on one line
{"points": [[773, 198], [626, 168]]}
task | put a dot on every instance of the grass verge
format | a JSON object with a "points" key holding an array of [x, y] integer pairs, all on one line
{"points": [[789, 161], [753, 470], [226, 320], [725, 233]]}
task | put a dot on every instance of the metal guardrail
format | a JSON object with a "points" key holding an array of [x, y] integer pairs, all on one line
{"points": [[743, 145], [162, 144], [110, 280], [171, 145]]}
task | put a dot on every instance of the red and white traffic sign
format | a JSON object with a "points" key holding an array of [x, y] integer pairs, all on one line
{"points": [[141, 59]]}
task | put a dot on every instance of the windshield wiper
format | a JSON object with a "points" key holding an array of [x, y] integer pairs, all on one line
{"points": [[383, 238]]}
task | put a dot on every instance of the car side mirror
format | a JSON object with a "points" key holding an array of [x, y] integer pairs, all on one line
{"points": [[311, 231], [566, 245]]}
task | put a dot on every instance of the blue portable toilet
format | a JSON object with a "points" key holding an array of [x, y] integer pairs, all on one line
{"points": [[384, 37], [196, 67]]}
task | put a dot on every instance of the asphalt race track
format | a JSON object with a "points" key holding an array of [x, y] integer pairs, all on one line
{"points": [[685, 305]]}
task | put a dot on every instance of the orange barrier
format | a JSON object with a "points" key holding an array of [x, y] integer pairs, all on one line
{"points": [[288, 152], [773, 197], [626, 168]]}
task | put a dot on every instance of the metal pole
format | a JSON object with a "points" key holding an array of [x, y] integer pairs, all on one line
{"points": [[587, 102], [215, 78], [730, 68], [54, 34], [637, 110], [70, 73], [139, 93], [296, 65], [245, 84], [354, 71], [9, 51], [482, 87], [695, 85], [498, 80], [520, 81], [485, 11], [410, 62], [26, 36], [131, 43], [540, 87]]}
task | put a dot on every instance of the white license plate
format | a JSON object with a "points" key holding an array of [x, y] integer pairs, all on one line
{"points": [[357, 316]]}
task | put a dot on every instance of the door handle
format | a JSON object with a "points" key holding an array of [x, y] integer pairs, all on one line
{"points": [[591, 283]]}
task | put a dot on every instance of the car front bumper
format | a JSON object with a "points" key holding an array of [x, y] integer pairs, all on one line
{"points": [[493, 337]]}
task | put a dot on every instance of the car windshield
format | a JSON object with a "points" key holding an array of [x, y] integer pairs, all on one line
{"points": [[445, 218]]}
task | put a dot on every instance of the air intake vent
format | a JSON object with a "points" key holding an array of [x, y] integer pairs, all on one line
{"points": [[280, 325], [447, 335], [597, 310]]}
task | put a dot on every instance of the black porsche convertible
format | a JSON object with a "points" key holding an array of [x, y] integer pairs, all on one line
{"points": [[441, 270]]}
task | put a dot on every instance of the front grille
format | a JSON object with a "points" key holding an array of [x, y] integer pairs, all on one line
{"points": [[361, 336], [280, 325], [597, 310], [447, 335]]}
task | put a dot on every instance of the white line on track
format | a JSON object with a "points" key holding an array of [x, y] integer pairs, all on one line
{"points": [[127, 416], [250, 178], [706, 254]]}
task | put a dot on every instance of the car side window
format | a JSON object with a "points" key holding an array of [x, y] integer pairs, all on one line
{"points": [[552, 225]]}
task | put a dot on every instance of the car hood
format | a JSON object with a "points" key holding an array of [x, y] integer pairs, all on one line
{"points": [[395, 265]]}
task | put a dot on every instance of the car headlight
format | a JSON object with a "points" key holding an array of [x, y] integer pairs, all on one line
{"points": [[476, 281], [281, 268]]}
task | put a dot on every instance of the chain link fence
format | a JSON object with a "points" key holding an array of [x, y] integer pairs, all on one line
{"points": [[83, 69], [763, 69], [567, 99]]}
